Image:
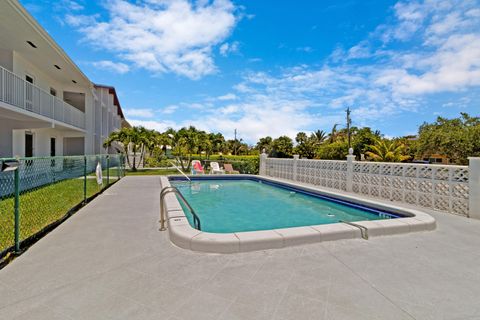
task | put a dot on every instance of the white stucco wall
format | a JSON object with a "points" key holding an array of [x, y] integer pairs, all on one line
{"points": [[6, 138], [41, 141], [6, 59], [101, 116], [22, 67]]}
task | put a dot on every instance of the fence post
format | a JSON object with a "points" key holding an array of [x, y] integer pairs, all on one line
{"points": [[108, 169], [350, 158], [474, 187], [119, 158], [295, 162], [263, 164], [122, 158], [84, 179], [17, 210]]}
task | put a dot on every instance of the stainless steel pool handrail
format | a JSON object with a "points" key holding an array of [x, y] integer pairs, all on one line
{"points": [[178, 169], [363, 230], [163, 193]]}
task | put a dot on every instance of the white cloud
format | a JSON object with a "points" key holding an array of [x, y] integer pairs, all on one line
{"points": [[116, 67], [73, 5], [66, 5], [305, 49], [460, 103], [475, 13], [228, 96], [170, 109], [140, 113], [359, 51], [154, 124], [78, 20], [228, 48], [259, 117], [230, 109], [429, 48], [162, 36], [194, 106]]}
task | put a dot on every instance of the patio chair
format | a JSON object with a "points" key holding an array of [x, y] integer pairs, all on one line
{"points": [[197, 167], [229, 169], [215, 168]]}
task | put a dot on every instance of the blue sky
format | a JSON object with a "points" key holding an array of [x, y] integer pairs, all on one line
{"points": [[276, 67]]}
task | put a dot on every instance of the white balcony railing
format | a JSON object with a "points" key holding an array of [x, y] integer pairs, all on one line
{"points": [[24, 95]]}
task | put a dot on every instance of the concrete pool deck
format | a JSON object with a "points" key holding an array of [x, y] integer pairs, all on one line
{"points": [[109, 261]]}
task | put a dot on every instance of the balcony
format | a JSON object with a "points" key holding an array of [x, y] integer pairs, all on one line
{"points": [[22, 94]]}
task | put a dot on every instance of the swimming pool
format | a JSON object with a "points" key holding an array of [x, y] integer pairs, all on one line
{"points": [[247, 212], [238, 205]]}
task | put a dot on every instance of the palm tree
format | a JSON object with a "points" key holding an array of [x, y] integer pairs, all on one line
{"points": [[333, 133], [320, 136], [134, 138], [218, 142], [185, 142], [265, 144], [152, 139], [387, 151]]}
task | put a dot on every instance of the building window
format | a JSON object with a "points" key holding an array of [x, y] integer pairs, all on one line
{"points": [[28, 148], [52, 150], [52, 147], [28, 144]]}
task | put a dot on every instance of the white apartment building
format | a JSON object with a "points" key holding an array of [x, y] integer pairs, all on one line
{"points": [[47, 105]]}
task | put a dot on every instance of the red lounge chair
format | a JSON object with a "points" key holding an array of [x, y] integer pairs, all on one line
{"points": [[229, 169]]}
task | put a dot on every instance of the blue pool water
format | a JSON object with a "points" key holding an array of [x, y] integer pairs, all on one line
{"points": [[232, 205]]}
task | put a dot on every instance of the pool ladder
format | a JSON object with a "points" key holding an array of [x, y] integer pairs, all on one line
{"points": [[163, 193], [363, 230]]}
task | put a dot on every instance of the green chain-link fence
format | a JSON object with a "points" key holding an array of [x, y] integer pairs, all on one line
{"points": [[42, 191]]}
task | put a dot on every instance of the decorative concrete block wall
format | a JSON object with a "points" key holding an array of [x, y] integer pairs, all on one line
{"points": [[438, 187]]}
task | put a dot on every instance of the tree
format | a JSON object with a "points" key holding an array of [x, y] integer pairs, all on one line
{"points": [[333, 134], [282, 147], [362, 138], [265, 143], [306, 145], [218, 142], [150, 140], [188, 144], [134, 137], [121, 138], [411, 145], [457, 138], [387, 151], [319, 136], [337, 150]]}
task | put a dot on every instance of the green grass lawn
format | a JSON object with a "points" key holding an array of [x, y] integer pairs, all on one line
{"points": [[113, 173], [41, 207], [151, 172]]}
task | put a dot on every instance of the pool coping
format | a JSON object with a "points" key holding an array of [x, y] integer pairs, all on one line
{"points": [[183, 235]]}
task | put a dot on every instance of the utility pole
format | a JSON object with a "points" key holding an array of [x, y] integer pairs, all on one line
{"points": [[349, 122]]}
